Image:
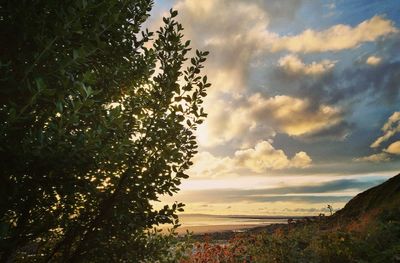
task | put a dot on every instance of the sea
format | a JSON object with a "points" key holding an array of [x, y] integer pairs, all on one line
{"points": [[189, 220]]}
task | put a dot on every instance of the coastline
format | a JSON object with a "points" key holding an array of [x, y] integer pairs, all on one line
{"points": [[209, 229], [226, 226], [226, 232]]}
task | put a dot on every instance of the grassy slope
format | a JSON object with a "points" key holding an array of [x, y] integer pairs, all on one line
{"points": [[384, 196]]}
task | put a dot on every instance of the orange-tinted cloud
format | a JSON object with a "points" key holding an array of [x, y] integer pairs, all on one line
{"points": [[292, 64], [335, 38]]}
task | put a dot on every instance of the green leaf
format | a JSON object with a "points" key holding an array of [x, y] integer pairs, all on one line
{"points": [[100, 125], [75, 54], [174, 13], [40, 84]]}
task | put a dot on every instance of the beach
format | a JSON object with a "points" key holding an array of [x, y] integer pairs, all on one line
{"points": [[200, 224], [215, 228]]}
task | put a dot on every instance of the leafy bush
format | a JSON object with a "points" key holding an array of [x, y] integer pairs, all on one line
{"points": [[97, 120]]}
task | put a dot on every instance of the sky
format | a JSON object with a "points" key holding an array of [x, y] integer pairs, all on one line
{"points": [[304, 106]]}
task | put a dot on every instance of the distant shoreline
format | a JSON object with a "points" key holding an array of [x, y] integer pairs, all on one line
{"points": [[198, 228], [246, 216], [210, 229], [226, 232]]}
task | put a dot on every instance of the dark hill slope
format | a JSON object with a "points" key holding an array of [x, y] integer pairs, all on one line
{"points": [[381, 197]]}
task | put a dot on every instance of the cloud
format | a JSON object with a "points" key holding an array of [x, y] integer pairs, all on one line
{"points": [[393, 148], [264, 156], [309, 97], [233, 45], [293, 116], [255, 118], [281, 9], [207, 165], [331, 5], [338, 190], [212, 25], [373, 60], [293, 65], [335, 38], [301, 159], [236, 46], [231, 196], [382, 79], [374, 158], [390, 128], [346, 85], [229, 120], [337, 132], [259, 159]]}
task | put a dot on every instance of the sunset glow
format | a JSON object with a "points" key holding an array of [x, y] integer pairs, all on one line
{"points": [[304, 105]]}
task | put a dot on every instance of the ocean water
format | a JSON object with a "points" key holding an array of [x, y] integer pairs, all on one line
{"points": [[188, 220]]}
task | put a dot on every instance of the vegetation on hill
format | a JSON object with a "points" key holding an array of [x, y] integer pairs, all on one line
{"points": [[384, 196], [367, 229]]}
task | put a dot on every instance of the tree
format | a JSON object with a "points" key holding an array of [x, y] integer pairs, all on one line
{"points": [[330, 208], [97, 120]]}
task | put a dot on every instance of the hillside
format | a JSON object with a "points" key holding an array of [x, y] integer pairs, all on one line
{"points": [[367, 229], [382, 197]]}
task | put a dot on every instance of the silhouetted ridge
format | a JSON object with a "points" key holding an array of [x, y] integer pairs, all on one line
{"points": [[383, 196]]}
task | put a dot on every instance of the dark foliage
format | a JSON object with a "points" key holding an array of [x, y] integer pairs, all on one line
{"points": [[96, 121]]}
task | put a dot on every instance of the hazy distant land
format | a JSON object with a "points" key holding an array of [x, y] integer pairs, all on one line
{"points": [[206, 224]]}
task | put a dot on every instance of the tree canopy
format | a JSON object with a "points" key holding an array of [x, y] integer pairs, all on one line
{"points": [[97, 120]]}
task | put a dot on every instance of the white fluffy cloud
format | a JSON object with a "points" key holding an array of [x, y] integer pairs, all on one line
{"points": [[261, 158], [233, 45], [373, 60], [292, 64], [260, 117], [293, 116], [207, 165], [393, 148], [390, 128], [374, 158], [264, 156], [336, 38], [239, 35]]}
